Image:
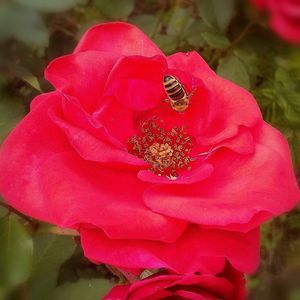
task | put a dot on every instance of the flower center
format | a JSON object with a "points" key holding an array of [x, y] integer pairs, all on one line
{"points": [[166, 151]]}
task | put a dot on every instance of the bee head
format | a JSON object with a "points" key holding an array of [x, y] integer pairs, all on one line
{"points": [[168, 78]]}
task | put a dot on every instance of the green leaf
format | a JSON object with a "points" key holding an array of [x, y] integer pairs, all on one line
{"points": [[25, 25], [292, 107], [50, 251], [92, 289], [147, 23], [233, 69], [166, 43], [3, 212], [15, 252], [295, 294], [11, 111], [115, 9], [193, 33], [180, 20], [250, 61], [217, 13], [33, 81], [50, 6], [216, 40], [3, 293]]}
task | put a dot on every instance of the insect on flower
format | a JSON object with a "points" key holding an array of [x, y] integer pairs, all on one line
{"points": [[177, 95]]}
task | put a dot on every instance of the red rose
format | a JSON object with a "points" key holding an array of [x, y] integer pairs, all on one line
{"points": [[228, 285], [107, 154], [285, 17]]}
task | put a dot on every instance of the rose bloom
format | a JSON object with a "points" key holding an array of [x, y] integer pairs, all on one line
{"points": [[228, 285], [147, 186], [284, 17]]}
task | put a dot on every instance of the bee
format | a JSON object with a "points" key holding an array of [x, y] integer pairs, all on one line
{"points": [[178, 97]]}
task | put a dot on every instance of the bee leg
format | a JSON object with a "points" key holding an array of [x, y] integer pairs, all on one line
{"points": [[166, 100]]}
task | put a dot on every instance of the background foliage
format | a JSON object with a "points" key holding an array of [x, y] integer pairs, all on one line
{"points": [[233, 37]]}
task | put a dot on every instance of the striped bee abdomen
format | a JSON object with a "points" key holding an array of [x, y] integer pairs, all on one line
{"points": [[173, 88], [176, 93]]}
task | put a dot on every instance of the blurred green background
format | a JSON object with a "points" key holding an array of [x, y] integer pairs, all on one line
{"points": [[235, 40]]}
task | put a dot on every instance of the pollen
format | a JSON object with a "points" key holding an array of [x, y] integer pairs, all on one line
{"points": [[167, 151]]}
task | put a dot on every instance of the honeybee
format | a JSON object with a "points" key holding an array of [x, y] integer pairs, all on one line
{"points": [[178, 97]]}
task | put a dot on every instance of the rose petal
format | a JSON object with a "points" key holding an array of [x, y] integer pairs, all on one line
{"points": [[118, 120], [190, 62], [287, 28], [229, 285], [235, 192], [148, 289], [137, 82], [238, 280], [192, 296], [260, 3], [92, 148], [284, 17], [241, 143], [118, 38], [234, 106], [194, 119], [197, 174], [117, 292], [209, 248], [59, 187], [74, 114], [79, 191], [82, 75], [24, 152], [204, 285]]}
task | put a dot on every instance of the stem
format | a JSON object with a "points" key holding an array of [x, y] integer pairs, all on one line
{"points": [[234, 43], [243, 33], [24, 292], [58, 231], [160, 17], [125, 277], [157, 24]]}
